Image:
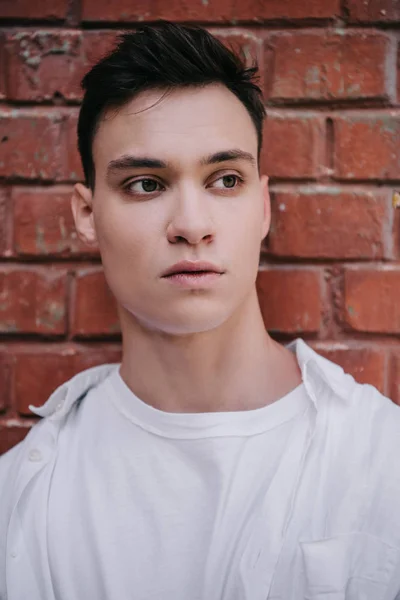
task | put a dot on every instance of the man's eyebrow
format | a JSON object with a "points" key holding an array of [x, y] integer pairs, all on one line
{"points": [[135, 162], [129, 161], [225, 155]]}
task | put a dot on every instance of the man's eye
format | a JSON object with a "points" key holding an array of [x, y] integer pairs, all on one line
{"points": [[227, 182], [143, 186]]}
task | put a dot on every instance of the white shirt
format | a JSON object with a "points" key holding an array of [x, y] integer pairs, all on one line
{"points": [[322, 524], [164, 505]]}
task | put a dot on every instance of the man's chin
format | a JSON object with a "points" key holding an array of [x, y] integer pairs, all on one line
{"points": [[194, 326], [180, 320]]}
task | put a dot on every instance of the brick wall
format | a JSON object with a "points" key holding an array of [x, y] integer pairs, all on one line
{"points": [[330, 268]]}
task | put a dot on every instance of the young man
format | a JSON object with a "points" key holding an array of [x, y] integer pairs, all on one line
{"points": [[213, 463]]}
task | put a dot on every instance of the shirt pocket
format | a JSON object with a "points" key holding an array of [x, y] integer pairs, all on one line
{"points": [[348, 567]]}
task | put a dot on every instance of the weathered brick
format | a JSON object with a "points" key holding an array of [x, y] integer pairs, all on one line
{"points": [[396, 222], [5, 241], [40, 371], [379, 11], [398, 73], [11, 434], [293, 145], [46, 10], [327, 66], [371, 299], [5, 380], [94, 311], [48, 64], [291, 299], [365, 364], [367, 146], [44, 224], [330, 222], [245, 43], [96, 44], [30, 144], [38, 375], [3, 91], [213, 10], [394, 392], [72, 168], [43, 64], [32, 301]]}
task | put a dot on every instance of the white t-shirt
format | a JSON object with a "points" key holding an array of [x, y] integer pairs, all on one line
{"points": [[150, 505]]}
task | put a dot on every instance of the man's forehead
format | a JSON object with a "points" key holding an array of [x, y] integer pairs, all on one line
{"points": [[195, 121]]}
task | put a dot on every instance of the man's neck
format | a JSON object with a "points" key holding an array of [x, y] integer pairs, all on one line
{"points": [[234, 367]]}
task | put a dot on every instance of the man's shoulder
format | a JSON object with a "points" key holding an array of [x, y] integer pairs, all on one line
{"points": [[367, 461], [54, 410], [66, 395], [365, 407], [358, 413], [357, 440], [328, 379], [374, 418]]}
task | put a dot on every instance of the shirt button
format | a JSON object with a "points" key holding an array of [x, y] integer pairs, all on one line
{"points": [[59, 406], [35, 456], [13, 554]]}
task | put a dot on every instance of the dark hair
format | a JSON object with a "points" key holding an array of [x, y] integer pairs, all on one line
{"points": [[165, 56]]}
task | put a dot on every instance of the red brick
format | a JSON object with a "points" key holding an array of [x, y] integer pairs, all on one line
{"points": [[291, 299], [365, 364], [32, 301], [367, 147], [374, 10], [26, 9], [292, 146], [30, 145], [330, 222], [245, 43], [213, 10], [396, 223], [3, 91], [5, 380], [39, 372], [48, 64], [395, 378], [42, 64], [371, 299], [96, 44], [398, 73], [11, 435], [44, 225], [94, 310], [72, 170], [326, 66], [5, 242]]}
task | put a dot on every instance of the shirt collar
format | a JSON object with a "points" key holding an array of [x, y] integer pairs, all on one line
{"points": [[64, 397], [319, 375]]}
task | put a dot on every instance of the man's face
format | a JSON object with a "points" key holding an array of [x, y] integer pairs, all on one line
{"points": [[177, 180]]}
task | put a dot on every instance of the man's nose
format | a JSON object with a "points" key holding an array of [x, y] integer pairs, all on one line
{"points": [[191, 219]]}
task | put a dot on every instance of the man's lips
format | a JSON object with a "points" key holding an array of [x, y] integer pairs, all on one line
{"points": [[192, 268]]}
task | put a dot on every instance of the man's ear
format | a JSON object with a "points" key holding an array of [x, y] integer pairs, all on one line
{"points": [[82, 209], [267, 207]]}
